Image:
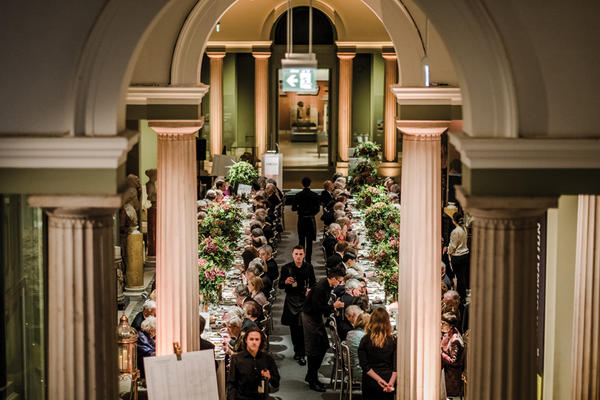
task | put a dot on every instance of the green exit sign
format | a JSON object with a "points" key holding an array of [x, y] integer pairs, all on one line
{"points": [[300, 79]]}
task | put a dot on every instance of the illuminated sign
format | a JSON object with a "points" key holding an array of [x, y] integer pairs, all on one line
{"points": [[299, 79]]}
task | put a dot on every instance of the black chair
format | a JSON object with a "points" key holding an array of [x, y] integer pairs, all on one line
{"points": [[335, 343]]}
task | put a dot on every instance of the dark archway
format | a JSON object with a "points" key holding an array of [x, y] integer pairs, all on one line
{"points": [[323, 30]]}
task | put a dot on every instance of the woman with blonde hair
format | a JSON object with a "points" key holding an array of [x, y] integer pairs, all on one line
{"points": [[377, 356], [255, 286]]}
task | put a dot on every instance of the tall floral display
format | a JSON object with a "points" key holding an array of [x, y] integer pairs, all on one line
{"points": [[221, 221], [242, 173], [364, 172], [214, 258]]}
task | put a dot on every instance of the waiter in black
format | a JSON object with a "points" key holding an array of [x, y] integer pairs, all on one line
{"points": [[317, 307], [296, 277], [307, 204]]}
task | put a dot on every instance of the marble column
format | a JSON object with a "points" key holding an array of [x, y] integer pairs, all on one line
{"points": [[585, 354], [261, 101], [418, 358], [216, 101], [390, 164], [344, 110], [176, 237], [82, 296], [502, 350]]}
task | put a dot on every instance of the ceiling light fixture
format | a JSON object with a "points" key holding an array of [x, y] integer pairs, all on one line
{"points": [[219, 26]]}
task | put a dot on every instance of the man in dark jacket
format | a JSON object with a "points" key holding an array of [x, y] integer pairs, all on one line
{"points": [[316, 307], [326, 197], [296, 278], [307, 204]]}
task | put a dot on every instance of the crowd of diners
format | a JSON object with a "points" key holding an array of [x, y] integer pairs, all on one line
{"points": [[340, 297]]}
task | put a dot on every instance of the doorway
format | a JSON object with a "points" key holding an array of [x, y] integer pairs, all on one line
{"points": [[303, 125]]}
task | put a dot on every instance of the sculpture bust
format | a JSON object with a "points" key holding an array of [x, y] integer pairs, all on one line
{"points": [[151, 185]]}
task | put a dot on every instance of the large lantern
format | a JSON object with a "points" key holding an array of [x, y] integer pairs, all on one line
{"points": [[127, 341]]}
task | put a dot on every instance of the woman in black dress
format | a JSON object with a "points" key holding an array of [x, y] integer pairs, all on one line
{"points": [[251, 370], [377, 356]]}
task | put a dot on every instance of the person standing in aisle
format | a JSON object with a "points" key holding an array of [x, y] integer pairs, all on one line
{"points": [[307, 203], [459, 255], [317, 307], [296, 278]]}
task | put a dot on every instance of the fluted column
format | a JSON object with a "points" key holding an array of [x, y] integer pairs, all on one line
{"points": [[176, 237], [261, 100], [82, 298], [216, 101], [389, 121], [419, 360], [344, 110], [502, 348], [586, 316]]}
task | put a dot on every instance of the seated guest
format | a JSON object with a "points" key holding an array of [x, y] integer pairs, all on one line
{"points": [[249, 254], [344, 223], [234, 328], [148, 309], [338, 256], [204, 344], [146, 347], [256, 231], [377, 356], [452, 355], [257, 243], [273, 199], [350, 299], [266, 253], [350, 261], [352, 239], [445, 278], [251, 370], [242, 296], [274, 183], [326, 197], [256, 268], [359, 320], [331, 238], [251, 309], [211, 195], [451, 303], [255, 286], [364, 295]]}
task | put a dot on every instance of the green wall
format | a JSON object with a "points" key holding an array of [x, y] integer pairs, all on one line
{"points": [[361, 97], [229, 100], [377, 97], [244, 67], [148, 150]]}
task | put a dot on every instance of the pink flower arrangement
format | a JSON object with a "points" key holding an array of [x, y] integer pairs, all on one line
{"points": [[379, 235], [213, 273], [202, 262], [395, 244]]}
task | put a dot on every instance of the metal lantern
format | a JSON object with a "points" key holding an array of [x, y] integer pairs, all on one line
{"points": [[127, 340]]}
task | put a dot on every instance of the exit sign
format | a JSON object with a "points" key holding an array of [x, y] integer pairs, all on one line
{"points": [[299, 79]]}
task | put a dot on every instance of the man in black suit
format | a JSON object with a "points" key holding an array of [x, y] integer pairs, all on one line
{"points": [[266, 253], [297, 277], [307, 204], [316, 307], [326, 196], [338, 256]]}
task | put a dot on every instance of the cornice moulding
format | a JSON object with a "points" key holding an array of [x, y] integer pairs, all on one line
{"points": [[143, 95], [239, 45], [66, 152], [365, 45], [525, 153], [427, 95]]}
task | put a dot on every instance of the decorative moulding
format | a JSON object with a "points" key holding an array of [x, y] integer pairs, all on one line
{"points": [[365, 45], [77, 202], [142, 95], [66, 152], [517, 204], [525, 153], [232, 46], [427, 95]]}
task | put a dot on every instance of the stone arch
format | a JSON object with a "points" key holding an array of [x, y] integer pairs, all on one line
{"points": [[482, 66]]}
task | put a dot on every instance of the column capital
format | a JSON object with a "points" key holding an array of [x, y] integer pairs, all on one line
{"points": [[216, 54], [505, 206], [389, 56], [176, 126], [261, 54], [346, 55], [100, 203]]}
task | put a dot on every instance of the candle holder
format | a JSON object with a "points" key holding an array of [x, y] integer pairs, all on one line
{"points": [[127, 345]]}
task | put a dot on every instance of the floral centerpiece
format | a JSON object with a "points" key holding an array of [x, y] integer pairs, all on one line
{"points": [[242, 173], [368, 195], [216, 251], [367, 150], [361, 174], [211, 279], [385, 256], [382, 222], [223, 221]]}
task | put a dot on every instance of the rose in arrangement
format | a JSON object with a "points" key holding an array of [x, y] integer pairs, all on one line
{"points": [[222, 220], [210, 279], [216, 251]]}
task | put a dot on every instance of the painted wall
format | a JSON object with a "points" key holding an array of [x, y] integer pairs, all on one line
{"points": [[229, 101], [245, 99], [361, 97], [148, 152], [377, 97], [560, 283]]}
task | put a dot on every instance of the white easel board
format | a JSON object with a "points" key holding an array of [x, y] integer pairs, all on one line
{"points": [[192, 378], [272, 164], [221, 164]]}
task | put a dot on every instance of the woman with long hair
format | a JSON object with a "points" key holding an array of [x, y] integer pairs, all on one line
{"points": [[251, 370], [255, 286], [452, 355], [377, 356], [459, 255]]}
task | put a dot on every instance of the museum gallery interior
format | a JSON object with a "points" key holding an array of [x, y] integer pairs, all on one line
{"points": [[143, 143]]}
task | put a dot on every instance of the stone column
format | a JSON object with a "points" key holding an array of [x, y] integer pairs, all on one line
{"points": [[344, 110], [585, 352], [216, 101], [176, 237], [82, 296], [419, 360], [261, 101], [502, 349], [392, 168]]}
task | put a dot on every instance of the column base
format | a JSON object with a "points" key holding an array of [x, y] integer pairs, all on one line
{"points": [[342, 167], [389, 168], [150, 262]]}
